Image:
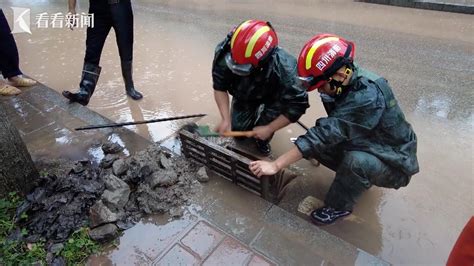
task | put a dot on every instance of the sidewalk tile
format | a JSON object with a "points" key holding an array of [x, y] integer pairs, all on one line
{"points": [[178, 256], [149, 239], [229, 252], [286, 250], [259, 261], [240, 213], [202, 239], [132, 258]]}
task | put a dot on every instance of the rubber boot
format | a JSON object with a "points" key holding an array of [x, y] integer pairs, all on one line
{"points": [[90, 76], [127, 77]]}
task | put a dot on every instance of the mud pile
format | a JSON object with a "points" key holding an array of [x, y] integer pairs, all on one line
{"points": [[110, 197], [60, 204]]}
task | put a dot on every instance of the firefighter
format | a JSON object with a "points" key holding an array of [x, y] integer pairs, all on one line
{"points": [[365, 138], [262, 79], [108, 14]]}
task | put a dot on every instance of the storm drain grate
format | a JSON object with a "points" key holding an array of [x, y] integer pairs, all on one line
{"points": [[233, 166]]}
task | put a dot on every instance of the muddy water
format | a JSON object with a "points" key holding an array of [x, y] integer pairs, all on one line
{"points": [[426, 55]]}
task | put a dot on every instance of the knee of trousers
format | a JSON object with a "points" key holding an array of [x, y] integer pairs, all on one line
{"points": [[361, 167]]}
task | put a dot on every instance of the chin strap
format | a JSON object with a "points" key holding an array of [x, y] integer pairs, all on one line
{"points": [[337, 85]]}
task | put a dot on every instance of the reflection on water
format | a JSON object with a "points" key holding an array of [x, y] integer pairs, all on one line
{"points": [[446, 107], [160, 232], [440, 107]]}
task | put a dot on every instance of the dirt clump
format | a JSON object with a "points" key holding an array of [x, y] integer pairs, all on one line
{"points": [[108, 197]]}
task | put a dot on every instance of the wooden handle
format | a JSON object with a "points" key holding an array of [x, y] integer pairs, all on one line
{"points": [[247, 134]]}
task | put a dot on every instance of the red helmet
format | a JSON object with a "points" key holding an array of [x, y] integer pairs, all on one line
{"points": [[321, 57], [251, 42]]}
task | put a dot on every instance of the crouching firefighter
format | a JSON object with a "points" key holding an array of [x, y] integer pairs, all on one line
{"points": [[108, 14], [365, 138], [262, 79]]}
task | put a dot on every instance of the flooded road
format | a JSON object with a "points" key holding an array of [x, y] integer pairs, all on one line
{"points": [[427, 56]]}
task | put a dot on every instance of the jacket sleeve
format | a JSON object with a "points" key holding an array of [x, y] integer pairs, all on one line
{"points": [[294, 97], [356, 116]]}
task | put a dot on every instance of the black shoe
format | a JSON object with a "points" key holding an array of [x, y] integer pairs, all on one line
{"points": [[327, 215], [90, 76], [263, 147], [127, 77]]}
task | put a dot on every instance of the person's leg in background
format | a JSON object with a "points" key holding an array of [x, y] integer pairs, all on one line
{"points": [[122, 16], [243, 115], [9, 61], [265, 115], [95, 41]]}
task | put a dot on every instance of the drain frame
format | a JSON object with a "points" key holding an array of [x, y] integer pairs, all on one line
{"points": [[231, 164]]}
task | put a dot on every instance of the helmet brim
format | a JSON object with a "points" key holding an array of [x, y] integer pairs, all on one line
{"points": [[238, 69], [310, 83]]}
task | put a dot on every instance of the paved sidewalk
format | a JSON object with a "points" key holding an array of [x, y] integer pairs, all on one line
{"points": [[191, 242], [46, 122], [226, 225], [223, 225]]}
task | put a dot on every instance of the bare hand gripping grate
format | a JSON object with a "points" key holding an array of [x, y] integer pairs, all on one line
{"points": [[233, 166]]}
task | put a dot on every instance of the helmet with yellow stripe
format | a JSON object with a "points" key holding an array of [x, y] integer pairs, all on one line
{"points": [[321, 57], [251, 43]]}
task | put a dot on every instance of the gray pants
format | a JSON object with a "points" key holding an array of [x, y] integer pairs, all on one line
{"points": [[357, 171]]}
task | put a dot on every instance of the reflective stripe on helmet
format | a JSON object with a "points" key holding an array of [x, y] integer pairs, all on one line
{"points": [[254, 39], [237, 32], [315, 47]]}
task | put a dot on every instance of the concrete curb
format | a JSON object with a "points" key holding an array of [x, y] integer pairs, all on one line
{"points": [[430, 5]]}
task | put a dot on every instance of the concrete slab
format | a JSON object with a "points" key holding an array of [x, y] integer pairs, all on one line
{"points": [[234, 209], [178, 256], [285, 250], [46, 122], [272, 231], [202, 239], [229, 252], [316, 240]]}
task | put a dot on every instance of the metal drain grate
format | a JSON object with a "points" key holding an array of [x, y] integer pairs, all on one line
{"points": [[233, 166]]}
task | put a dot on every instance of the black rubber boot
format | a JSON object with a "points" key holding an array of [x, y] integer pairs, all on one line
{"points": [[127, 77], [90, 76]]}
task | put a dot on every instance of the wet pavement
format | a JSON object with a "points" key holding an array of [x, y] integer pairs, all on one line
{"points": [[426, 56], [46, 124], [222, 225], [230, 230]]}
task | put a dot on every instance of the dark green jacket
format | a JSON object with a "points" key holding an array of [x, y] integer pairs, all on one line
{"points": [[365, 118], [275, 83]]}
